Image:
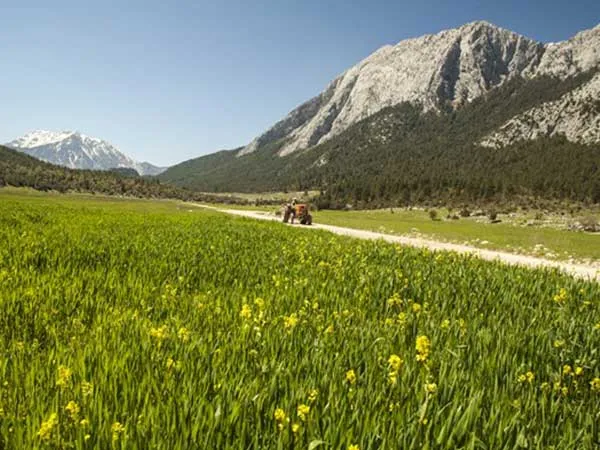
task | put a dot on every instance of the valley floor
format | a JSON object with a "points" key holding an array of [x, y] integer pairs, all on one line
{"points": [[362, 225]]}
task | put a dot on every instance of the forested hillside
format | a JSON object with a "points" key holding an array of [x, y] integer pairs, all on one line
{"points": [[20, 170], [402, 156]]}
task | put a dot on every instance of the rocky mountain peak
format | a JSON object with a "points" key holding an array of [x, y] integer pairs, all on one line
{"points": [[436, 71], [78, 151]]}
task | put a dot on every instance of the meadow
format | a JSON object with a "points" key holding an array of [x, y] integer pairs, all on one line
{"points": [[140, 324]]}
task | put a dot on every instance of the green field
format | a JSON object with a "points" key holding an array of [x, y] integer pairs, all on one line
{"points": [[542, 239], [140, 324]]}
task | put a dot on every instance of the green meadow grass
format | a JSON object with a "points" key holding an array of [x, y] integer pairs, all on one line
{"points": [[140, 324]]}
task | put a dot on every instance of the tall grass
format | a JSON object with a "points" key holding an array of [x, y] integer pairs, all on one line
{"points": [[128, 329]]}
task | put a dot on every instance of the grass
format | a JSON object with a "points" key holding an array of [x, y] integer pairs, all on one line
{"points": [[139, 324], [555, 243]]}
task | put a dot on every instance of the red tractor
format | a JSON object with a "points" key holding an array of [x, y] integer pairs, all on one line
{"points": [[299, 211]]}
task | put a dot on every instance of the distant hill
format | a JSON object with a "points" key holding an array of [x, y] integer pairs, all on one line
{"points": [[474, 113], [78, 151], [21, 170]]}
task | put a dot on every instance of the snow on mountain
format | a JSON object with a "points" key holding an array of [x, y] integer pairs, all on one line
{"points": [[78, 151], [437, 72]]}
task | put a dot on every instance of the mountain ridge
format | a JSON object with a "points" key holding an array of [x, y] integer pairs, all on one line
{"points": [[439, 71], [75, 150]]}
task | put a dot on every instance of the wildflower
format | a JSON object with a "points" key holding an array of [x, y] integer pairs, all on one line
{"points": [[259, 303], [445, 324], [595, 384], [303, 411], [431, 388], [353, 447], [295, 428], [84, 423], [394, 300], [416, 308], [290, 322], [64, 376], [389, 322], [87, 388], [117, 430], [559, 343], [87, 437], [183, 334], [401, 318], [597, 326], [578, 371], [545, 386], [73, 409], [312, 396], [423, 347], [45, 432], [160, 333], [567, 370], [393, 378], [561, 297], [564, 391], [246, 312], [329, 329], [281, 418], [351, 376], [395, 362]]}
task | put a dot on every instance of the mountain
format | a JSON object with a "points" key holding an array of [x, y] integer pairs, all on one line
{"points": [[20, 170], [78, 151], [443, 102]]}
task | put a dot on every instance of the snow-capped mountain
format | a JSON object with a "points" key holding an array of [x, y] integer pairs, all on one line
{"points": [[78, 151], [437, 72]]}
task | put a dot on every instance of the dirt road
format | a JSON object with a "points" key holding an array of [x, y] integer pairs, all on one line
{"points": [[577, 270]]}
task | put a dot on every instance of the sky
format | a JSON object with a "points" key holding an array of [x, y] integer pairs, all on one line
{"points": [[166, 81]]}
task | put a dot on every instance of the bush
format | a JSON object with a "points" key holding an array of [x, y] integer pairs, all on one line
{"points": [[433, 214]]}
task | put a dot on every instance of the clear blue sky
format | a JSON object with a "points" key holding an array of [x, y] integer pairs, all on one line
{"points": [[166, 81]]}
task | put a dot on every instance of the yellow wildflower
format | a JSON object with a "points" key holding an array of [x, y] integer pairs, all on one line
{"points": [[351, 376], [559, 343], [329, 329], [423, 347], [45, 432], [87, 388], [295, 428], [595, 384], [84, 423], [353, 447], [445, 324], [303, 411], [416, 308], [395, 362], [578, 371], [246, 312], [73, 409], [401, 318], [431, 388], [64, 376], [281, 418], [279, 415], [259, 303], [117, 430], [290, 322], [183, 334], [567, 370], [87, 437], [393, 378], [312, 396], [561, 297], [597, 326], [160, 333]]}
